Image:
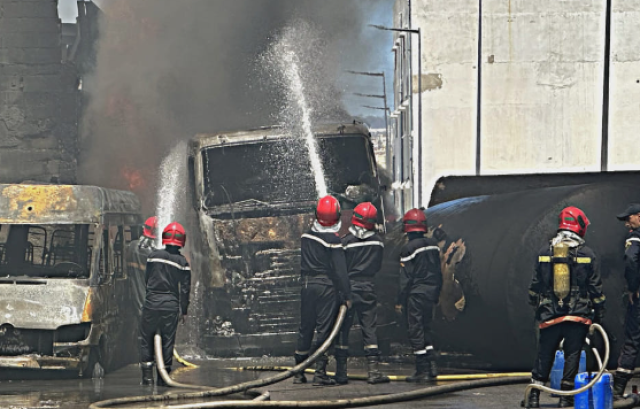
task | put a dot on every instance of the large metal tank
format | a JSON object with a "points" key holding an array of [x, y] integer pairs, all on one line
{"points": [[499, 237]]}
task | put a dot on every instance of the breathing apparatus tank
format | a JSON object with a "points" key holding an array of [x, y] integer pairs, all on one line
{"points": [[561, 272]]}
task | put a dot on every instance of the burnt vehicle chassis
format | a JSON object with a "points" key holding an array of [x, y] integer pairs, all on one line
{"points": [[250, 248]]}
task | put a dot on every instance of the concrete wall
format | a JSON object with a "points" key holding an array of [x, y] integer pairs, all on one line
{"points": [[38, 96], [542, 70]]}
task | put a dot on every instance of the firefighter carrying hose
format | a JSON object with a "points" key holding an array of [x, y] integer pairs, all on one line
{"points": [[363, 250], [136, 255], [629, 351], [566, 291], [322, 267], [168, 279], [420, 285]]}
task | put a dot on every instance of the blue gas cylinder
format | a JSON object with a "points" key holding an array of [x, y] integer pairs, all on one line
{"points": [[599, 396], [558, 367]]}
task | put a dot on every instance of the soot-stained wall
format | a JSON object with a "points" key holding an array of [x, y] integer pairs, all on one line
{"points": [[38, 95]]}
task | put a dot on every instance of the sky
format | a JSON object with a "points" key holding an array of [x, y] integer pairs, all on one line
{"points": [[381, 14]]}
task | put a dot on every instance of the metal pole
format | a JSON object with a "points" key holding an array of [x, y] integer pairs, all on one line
{"points": [[387, 152], [419, 118], [604, 147], [479, 94]]}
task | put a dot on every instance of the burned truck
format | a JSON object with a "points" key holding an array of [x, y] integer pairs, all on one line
{"points": [[65, 295], [254, 195]]}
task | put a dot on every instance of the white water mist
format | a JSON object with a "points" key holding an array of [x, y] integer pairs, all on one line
{"points": [[290, 67], [171, 187]]}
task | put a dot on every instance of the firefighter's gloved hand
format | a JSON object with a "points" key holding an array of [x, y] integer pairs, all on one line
{"points": [[398, 309], [598, 315]]}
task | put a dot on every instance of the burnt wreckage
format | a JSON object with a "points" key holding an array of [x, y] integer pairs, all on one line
{"points": [[254, 195], [65, 293]]}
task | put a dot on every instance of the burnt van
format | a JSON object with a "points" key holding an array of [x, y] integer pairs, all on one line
{"points": [[65, 295]]}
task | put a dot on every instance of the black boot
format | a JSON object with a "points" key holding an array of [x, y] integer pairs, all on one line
{"points": [[341, 377], [160, 381], [534, 396], [147, 373], [566, 401], [321, 378], [422, 370], [299, 378], [534, 399], [374, 375], [619, 384], [432, 368]]}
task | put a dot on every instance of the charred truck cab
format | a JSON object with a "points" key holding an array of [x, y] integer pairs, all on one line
{"points": [[254, 196], [65, 297]]}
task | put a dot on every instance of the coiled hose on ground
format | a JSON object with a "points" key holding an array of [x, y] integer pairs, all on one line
{"points": [[212, 392]]}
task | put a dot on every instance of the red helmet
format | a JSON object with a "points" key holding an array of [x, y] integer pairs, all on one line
{"points": [[328, 211], [174, 235], [150, 227], [365, 215], [414, 220], [573, 219]]}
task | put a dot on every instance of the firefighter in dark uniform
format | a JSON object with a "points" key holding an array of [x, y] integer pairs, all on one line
{"points": [[168, 279], [566, 290], [325, 285], [419, 291], [629, 351], [363, 250], [137, 253]]}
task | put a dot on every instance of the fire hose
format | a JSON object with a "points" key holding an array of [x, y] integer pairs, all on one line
{"points": [[395, 378], [603, 367], [242, 387]]}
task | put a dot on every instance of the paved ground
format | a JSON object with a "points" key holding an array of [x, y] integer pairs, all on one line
{"points": [[52, 391]]}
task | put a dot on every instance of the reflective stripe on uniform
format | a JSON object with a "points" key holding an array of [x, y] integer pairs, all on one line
{"points": [[342, 346], [625, 371], [419, 250], [600, 299], [319, 240], [365, 243], [171, 263], [583, 260], [633, 239], [544, 259], [302, 352], [420, 352], [374, 346]]}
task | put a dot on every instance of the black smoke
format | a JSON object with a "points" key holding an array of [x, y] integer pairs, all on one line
{"points": [[167, 70]]}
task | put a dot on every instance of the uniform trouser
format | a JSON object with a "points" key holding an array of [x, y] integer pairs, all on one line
{"points": [[574, 335], [364, 305], [629, 351], [164, 321], [318, 307], [419, 319]]}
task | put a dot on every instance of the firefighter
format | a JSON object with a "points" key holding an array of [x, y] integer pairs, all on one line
{"points": [[419, 290], [168, 279], [629, 351], [136, 255], [566, 290], [325, 284], [363, 250]]}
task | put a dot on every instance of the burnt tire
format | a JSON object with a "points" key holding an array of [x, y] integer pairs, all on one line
{"points": [[92, 362]]}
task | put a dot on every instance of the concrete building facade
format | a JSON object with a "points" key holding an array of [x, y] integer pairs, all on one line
{"points": [[39, 94], [524, 79]]}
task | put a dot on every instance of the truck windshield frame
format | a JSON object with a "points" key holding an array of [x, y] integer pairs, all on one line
{"points": [[277, 172]]}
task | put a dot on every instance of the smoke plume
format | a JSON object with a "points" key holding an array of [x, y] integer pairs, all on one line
{"points": [[167, 70]]}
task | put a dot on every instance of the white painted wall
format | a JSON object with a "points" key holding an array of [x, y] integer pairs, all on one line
{"points": [[542, 83]]}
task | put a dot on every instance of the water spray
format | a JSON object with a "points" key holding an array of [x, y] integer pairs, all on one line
{"points": [[171, 191]]}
